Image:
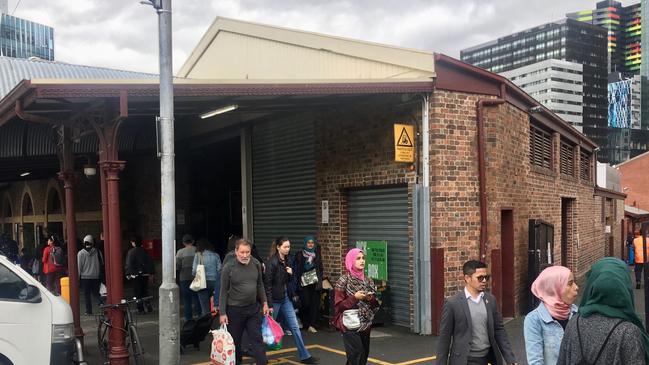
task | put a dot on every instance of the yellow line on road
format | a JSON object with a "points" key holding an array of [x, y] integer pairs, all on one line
{"points": [[376, 361], [417, 361], [339, 352]]}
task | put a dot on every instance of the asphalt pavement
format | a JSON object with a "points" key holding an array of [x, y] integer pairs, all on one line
{"points": [[391, 345]]}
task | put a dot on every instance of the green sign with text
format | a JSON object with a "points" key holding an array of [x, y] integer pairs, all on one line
{"points": [[376, 258]]}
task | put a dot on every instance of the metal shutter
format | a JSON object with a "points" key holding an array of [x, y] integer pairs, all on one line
{"points": [[382, 215], [283, 181]]}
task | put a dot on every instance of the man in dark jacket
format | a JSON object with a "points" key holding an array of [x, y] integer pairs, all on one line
{"points": [[472, 331], [139, 267]]}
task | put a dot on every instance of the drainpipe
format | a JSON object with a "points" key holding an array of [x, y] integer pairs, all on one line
{"points": [[482, 178]]}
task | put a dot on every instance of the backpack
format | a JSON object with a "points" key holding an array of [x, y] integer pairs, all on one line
{"points": [[58, 256], [581, 348]]}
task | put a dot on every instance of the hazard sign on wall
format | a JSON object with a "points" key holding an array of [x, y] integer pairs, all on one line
{"points": [[404, 143]]}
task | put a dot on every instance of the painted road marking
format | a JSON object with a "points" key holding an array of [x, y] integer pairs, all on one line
{"points": [[286, 359]]}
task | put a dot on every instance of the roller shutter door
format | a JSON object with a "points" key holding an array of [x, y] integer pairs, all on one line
{"points": [[283, 181], [382, 215]]}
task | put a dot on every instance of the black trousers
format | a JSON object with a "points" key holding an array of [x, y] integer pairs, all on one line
{"points": [[310, 309], [247, 318], [357, 347], [477, 360], [638, 273], [141, 290], [90, 289]]}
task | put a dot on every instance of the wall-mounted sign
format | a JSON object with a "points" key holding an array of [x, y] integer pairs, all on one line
{"points": [[404, 143], [376, 258], [325, 211]]}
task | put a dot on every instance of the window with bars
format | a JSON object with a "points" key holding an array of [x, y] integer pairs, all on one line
{"points": [[567, 163], [540, 147], [584, 165]]}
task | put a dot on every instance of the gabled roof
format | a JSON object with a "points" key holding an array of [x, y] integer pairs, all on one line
{"points": [[246, 50], [14, 70]]}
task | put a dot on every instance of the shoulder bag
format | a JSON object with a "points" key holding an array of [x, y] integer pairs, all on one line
{"points": [[308, 278], [199, 283]]}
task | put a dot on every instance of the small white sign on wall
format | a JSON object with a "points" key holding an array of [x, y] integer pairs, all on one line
{"points": [[607, 229], [325, 211]]}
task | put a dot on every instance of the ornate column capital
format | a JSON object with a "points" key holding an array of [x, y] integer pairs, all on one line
{"points": [[69, 178], [112, 169]]}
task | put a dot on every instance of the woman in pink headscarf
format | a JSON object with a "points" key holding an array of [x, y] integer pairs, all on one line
{"points": [[544, 326], [355, 306]]}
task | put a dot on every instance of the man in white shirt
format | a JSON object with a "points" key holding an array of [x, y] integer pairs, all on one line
{"points": [[472, 331]]}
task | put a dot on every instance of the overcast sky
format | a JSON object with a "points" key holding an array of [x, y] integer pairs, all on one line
{"points": [[123, 33]]}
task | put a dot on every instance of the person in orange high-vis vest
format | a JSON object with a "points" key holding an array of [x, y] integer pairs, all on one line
{"points": [[639, 258]]}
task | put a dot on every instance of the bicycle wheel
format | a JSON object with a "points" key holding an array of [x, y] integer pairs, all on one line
{"points": [[136, 346], [102, 338]]}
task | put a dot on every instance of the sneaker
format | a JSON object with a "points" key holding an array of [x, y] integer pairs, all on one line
{"points": [[288, 333], [310, 360], [88, 314], [312, 330]]}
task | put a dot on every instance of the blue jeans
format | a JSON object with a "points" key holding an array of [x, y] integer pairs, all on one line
{"points": [[190, 300], [204, 297], [284, 310]]}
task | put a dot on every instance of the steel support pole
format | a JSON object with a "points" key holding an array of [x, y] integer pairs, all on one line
{"points": [[168, 302], [118, 353], [425, 276]]}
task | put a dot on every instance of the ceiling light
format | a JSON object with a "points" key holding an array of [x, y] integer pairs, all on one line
{"points": [[26, 173], [218, 111]]}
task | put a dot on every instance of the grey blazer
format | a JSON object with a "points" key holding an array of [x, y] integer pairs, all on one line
{"points": [[455, 332]]}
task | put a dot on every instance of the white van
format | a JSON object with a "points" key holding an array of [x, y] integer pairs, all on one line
{"points": [[36, 327]]}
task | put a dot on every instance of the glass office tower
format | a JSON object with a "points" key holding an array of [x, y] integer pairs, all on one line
{"points": [[22, 38]]}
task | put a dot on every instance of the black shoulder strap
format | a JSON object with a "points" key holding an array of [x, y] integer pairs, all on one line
{"points": [[601, 349]]}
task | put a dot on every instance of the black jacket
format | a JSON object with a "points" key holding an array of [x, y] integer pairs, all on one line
{"points": [[298, 268], [276, 279], [138, 262]]}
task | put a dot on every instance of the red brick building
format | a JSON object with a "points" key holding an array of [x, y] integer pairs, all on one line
{"points": [[310, 150], [633, 177]]}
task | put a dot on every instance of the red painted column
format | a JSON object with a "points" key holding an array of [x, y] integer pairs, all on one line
{"points": [[105, 227], [118, 353], [68, 178]]}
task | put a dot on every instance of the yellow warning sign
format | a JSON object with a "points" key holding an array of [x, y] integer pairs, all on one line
{"points": [[404, 146]]}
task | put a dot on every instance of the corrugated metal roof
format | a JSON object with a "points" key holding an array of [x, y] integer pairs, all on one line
{"points": [[14, 70]]}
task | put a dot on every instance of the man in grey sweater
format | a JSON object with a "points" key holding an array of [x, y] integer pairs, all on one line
{"points": [[89, 262], [184, 262], [472, 331], [243, 299]]}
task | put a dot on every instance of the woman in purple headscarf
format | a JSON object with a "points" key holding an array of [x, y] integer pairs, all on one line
{"points": [[355, 299]]}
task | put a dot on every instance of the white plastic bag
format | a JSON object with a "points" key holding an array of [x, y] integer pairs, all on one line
{"points": [[199, 283], [103, 291], [223, 350]]}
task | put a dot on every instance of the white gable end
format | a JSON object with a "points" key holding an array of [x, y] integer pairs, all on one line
{"points": [[239, 50]]}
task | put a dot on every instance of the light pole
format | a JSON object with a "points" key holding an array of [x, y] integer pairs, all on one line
{"points": [[168, 302]]}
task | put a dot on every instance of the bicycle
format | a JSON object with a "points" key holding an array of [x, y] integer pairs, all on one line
{"points": [[130, 329]]}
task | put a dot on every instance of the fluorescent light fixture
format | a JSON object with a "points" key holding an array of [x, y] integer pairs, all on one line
{"points": [[218, 111], [25, 174]]}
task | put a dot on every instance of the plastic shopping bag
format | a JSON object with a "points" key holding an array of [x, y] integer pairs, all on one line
{"points": [[272, 333], [223, 350]]}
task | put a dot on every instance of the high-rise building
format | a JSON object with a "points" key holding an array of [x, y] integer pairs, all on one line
{"points": [[567, 40], [624, 27], [556, 84], [22, 38]]}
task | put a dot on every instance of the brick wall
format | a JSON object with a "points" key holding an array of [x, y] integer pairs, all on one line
{"points": [[512, 183], [354, 149], [634, 175]]}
